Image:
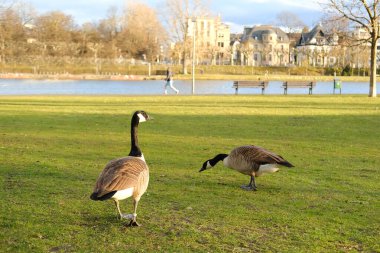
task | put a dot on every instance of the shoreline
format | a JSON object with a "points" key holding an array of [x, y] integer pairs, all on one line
{"points": [[178, 77], [69, 76]]}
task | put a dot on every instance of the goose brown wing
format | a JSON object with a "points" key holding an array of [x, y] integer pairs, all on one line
{"points": [[258, 156], [120, 174]]}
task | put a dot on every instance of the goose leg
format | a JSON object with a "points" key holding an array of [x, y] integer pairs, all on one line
{"points": [[254, 183], [121, 215], [133, 222], [118, 208], [251, 186]]}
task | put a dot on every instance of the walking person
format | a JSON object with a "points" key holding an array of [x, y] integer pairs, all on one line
{"points": [[169, 81]]}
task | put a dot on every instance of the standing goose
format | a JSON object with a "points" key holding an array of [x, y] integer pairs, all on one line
{"points": [[249, 160], [127, 176]]}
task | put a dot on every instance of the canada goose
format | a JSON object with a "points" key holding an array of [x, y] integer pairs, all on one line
{"points": [[249, 160], [127, 176]]}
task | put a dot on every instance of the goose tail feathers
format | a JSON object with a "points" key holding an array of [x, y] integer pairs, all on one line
{"points": [[286, 164], [95, 196]]}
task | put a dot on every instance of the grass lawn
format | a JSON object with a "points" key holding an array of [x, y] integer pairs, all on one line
{"points": [[52, 149]]}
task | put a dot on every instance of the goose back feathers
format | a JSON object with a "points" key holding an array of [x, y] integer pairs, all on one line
{"points": [[248, 159], [122, 174]]}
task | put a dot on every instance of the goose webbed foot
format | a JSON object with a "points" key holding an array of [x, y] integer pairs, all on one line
{"points": [[251, 186], [133, 223], [132, 218], [248, 187]]}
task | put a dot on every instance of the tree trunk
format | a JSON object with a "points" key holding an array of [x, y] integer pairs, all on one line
{"points": [[184, 65], [372, 79]]}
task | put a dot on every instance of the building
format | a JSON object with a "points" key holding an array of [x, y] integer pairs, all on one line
{"points": [[360, 51], [212, 38], [234, 48], [317, 48], [264, 46]]}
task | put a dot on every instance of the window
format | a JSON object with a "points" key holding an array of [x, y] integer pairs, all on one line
{"points": [[255, 57], [270, 57]]}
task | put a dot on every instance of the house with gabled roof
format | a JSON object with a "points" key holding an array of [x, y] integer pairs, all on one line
{"points": [[316, 48], [264, 45]]}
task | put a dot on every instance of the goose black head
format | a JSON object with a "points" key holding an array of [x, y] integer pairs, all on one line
{"points": [[212, 162], [206, 165], [141, 116]]}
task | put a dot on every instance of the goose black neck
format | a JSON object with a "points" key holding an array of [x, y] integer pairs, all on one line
{"points": [[135, 149], [217, 159]]}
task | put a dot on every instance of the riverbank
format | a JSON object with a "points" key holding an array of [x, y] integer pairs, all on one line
{"points": [[274, 77]]}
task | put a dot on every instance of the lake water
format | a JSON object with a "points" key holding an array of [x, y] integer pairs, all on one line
{"points": [[156, 87]]}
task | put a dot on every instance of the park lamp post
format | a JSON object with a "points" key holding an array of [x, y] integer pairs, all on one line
{"points": [[194, 20]]}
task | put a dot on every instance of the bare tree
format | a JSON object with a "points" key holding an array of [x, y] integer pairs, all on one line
{"points": [[88, 34], [54, 32], [247, 51], [6, 5], [142, 37], [365, 14], [26, 12], [177, 14], [11, 33], [109, 28], [290, 21]]}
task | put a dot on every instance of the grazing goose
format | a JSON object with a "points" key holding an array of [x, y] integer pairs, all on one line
{"points": [[249, 160], [127, 176]]}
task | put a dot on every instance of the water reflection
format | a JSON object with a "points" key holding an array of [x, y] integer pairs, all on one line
{"points": [[156, 87]]}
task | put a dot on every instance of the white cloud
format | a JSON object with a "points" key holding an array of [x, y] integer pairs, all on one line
{"points": [[313, 5], [239, 28], [305, 4], [258, 1], [235, 28]]}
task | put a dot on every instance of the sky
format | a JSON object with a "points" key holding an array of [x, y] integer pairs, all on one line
{"points": [[236, 13]]}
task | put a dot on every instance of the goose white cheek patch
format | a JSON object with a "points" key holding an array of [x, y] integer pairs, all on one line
{"points": [[141, 117]]}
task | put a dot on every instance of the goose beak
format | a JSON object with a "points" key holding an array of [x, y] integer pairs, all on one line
{"points": [[202, 169]]}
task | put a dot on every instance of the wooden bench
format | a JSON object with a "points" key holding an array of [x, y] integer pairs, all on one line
{"points": [[298, 84], [250, 84]]}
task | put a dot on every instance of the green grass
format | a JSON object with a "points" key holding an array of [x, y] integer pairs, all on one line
{"points": [[52, 148]]}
